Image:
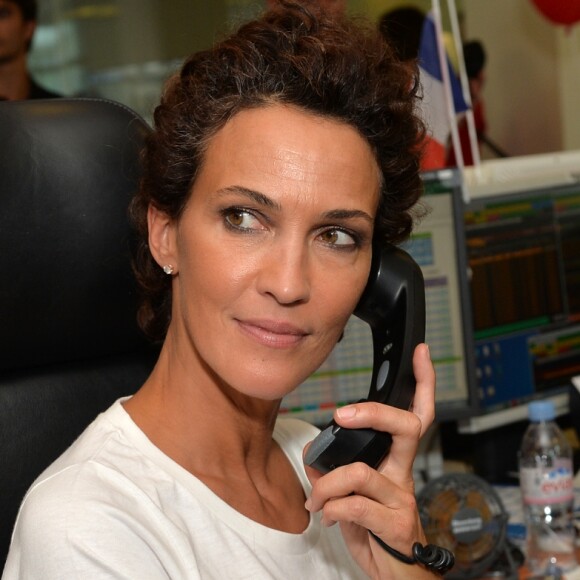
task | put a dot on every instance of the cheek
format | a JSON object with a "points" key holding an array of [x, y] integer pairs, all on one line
{"points": [[339, 299], [212, 279], [208, 275]]}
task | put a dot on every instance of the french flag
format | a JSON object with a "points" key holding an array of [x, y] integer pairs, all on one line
{"points": [[442, 95]]}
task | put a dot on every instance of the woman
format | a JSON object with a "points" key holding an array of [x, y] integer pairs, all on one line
{"points": [[277, 158]]}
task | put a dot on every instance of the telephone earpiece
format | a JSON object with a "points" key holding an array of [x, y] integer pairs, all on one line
{"points": [[393, 304]]}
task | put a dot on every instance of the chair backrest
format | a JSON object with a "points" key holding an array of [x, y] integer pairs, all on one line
{"points": [[69, 342]]}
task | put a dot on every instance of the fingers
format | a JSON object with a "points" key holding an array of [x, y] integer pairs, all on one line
{"points": [[360, 495], [347, 480], [383, 500], [424, 401], [380, 417], [405, 427]]}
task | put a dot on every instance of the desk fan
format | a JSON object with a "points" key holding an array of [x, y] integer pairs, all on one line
{"points": [[463, 513]]}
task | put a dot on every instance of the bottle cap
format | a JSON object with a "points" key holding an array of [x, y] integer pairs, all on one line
{"points": [[541, 411]]}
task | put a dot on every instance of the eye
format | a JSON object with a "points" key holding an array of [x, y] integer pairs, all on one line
{"points": [[339, 238], [241, 219]]}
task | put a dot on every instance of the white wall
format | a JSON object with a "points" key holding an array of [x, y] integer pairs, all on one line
{"points": [[522, 94], [569, 49], [533, 87]]}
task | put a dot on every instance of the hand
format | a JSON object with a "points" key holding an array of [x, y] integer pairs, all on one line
{"points": [[383, 500]]}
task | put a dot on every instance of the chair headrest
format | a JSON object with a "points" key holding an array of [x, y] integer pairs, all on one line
{"points": [[68, 169]]}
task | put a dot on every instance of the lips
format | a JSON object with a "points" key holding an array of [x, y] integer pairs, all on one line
{"points": [[276, 334]]}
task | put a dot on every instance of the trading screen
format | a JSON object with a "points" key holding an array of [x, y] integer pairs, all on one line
{"points": [[524, 257]]}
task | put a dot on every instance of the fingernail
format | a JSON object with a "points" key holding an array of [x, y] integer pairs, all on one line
{"points": [[308, 504], [346, 412]]}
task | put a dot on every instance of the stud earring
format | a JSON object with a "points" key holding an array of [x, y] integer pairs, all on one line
{"points": [[168, 269]]}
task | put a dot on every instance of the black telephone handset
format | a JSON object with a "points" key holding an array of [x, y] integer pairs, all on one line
{"points": [[393, 304]]}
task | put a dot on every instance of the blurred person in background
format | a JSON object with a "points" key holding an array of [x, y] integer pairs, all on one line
{"points": [[475, 58], [17, 25]]}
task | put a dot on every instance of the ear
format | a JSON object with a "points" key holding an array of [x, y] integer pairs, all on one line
{"points": [[162, 242]]}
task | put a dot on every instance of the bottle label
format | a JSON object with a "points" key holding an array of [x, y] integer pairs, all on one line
{"points": [[545, 485]]}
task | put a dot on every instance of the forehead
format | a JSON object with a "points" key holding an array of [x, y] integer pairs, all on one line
{"points": [[277, 124], [285, 145], [288, 135]]}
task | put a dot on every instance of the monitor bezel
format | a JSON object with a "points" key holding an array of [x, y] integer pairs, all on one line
{"points": [[452, 179]]}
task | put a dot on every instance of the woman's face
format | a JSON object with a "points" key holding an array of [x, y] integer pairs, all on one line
{"points": [[272, 250]]}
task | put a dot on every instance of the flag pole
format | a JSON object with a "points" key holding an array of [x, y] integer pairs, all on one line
{"points": [[472, 132], [436, 8]]}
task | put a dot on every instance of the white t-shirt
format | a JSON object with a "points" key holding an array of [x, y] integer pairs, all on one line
{"points": [[115, 506]]}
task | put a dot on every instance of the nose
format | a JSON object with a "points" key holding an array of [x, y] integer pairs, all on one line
{"points": [[285, 274]]}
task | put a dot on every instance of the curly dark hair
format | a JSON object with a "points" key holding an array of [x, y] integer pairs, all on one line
{"points": [[332, 66]]}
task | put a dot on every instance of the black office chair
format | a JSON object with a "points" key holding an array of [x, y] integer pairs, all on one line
{"points": [[69, 343]]}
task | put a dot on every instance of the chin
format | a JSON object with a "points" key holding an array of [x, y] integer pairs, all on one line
{"points": [[266, 392], [267, 387]]}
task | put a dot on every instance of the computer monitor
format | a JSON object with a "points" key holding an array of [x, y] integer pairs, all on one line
{"points": [[522, 228], [437, 245]]}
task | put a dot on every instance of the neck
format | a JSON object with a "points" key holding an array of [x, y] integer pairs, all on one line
{"points": [[223, 438], [204, 425], [14, 79]]}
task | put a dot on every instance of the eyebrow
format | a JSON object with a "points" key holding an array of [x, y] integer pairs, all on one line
{"points": [[251, 194], [262, 199], [341, 214]]}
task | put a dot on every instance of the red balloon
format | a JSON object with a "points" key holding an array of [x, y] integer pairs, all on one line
{"points": [[559, 11]]}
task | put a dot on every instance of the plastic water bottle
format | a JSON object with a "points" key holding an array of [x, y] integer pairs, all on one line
{"points": [[546, 480]]}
